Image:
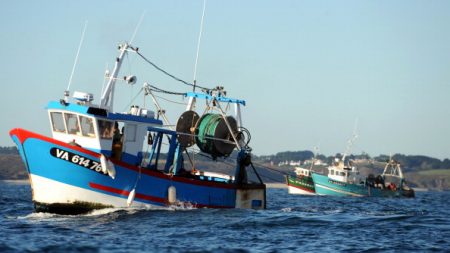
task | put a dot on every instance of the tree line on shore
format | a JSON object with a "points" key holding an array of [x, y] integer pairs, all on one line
{"points": [[408, 162], [421, 171]]}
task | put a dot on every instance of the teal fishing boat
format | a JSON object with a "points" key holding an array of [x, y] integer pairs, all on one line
{"points": [[345, 180], [302, 183]]}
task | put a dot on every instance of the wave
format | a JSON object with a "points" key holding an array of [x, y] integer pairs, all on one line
{"points": [[179, 206], [33, 216]]}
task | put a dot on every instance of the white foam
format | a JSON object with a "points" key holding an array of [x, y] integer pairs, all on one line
{"points": [[103, 211], [33, 216], [181, 206]]}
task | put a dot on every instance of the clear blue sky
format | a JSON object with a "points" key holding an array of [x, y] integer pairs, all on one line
{"points": [[307, 69]]}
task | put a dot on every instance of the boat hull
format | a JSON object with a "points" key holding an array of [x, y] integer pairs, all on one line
{"points": [[70, 179], [300, 185], [326, 186]]}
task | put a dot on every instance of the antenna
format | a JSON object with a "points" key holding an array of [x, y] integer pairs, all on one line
{"points": [[351, 140], [316, 151], [137, 26], [66, 93], [198, 44]]}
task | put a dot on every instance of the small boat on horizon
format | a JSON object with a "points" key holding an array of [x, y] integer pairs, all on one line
{"points": [[302, 183], [345, 180]]}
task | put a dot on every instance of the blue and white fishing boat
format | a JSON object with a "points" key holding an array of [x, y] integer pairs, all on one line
{"points": [[99, 158], [342, 180], [345, 180]]}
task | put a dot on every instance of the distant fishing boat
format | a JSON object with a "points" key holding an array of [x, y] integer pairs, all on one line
{"points": [[302, 183], [345, 180], [99, 158]]}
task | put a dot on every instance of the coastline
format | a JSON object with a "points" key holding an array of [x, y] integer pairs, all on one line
{"points": [[276, 185], [268, 185], [15, 181], [26, 181]]}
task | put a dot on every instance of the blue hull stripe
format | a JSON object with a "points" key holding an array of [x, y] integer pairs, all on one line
{"points": [[152, 187], [326, 186]]}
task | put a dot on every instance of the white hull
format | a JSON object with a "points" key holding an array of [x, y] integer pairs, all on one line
{"points": [[295, 190], [49, 191]]}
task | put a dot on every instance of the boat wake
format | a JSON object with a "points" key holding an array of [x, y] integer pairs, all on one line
{"points": [[179, 206], [36, 216]]}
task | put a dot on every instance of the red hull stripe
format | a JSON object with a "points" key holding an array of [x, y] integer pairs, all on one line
{"points": [[23, 135], [174, 178], [142, 196], [125, 193], [302, 188]]}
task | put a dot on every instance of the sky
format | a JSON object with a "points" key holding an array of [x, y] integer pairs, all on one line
{"points": [[308, 70]]}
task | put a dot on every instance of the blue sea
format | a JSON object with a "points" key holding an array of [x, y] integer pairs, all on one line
{"points": [[291, 223]]}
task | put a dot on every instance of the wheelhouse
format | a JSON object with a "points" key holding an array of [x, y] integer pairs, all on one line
{"points": [[299, 171], [117, 135], [346, 174]]}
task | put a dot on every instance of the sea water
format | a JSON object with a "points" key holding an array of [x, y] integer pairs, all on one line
{"points": [[291, 223]]}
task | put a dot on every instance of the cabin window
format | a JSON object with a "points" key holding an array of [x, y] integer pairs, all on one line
{"points": [[130, 132], [331, 172], [343, 174], [87, 126], [105, 129], [58, 122], [72, 123]]}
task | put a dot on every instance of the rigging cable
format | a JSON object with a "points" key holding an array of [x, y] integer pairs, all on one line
{"points": [[132, 100], [251, 164], [165, 72], [156, 89], [272, 169], [170, 101]]}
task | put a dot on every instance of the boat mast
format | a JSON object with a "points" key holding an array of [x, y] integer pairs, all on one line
{"points": [[316, 149], [161, 112], [107, 98], [393, 168]]}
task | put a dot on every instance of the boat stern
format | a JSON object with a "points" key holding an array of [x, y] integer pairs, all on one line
{"points": [[251, 196]]}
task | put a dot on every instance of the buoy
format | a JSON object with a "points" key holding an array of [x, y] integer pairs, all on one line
{"points": [[107, 167], [111, 170], [104, 164], [172, 194], [131, 197]]}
